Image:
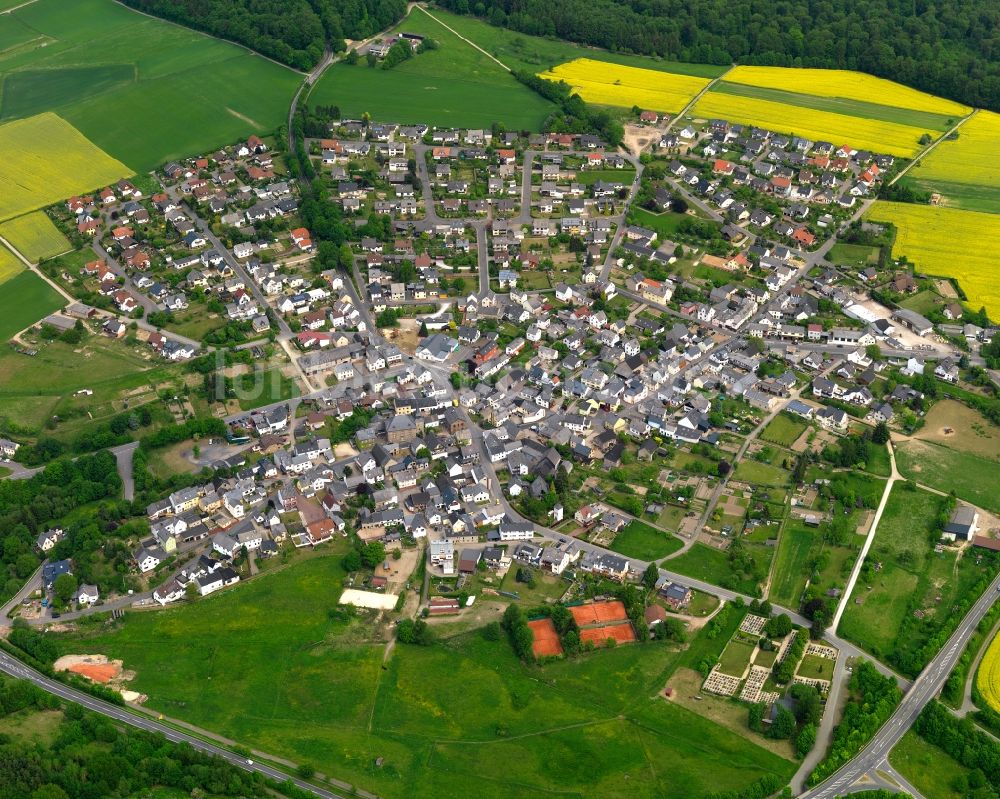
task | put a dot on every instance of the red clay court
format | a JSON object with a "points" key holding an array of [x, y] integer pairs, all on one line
{"points": [[622, 633], [546, 642], [599, 613]]}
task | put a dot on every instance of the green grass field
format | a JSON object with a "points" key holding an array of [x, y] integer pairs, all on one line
{"points": [[712, 565], [859, 256], [795, 546], [453, 85], [971, 477], [639, 540], [923, 302], [665, 224], [25, 299], [536, 54], [930, 769], [967, 196], [764, 474], [14, 33], [272, 386], [735, 658], [54, 160], [840, 105], [35, 236], [816, 667], [783, 430], [157, 92], [588, 177], [458, 717]]}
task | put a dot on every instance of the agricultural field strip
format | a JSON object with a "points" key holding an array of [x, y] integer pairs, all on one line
{"points": [[927, 236], [860, 109], [840, 83], [988, 675], [612, 84], [877, 136], [34, 236]]}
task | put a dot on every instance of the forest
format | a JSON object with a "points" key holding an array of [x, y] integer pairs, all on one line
{"points": [[949, 47], [294, 32]]}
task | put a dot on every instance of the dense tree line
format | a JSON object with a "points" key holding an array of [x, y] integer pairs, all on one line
{"points": [[294, 32], [873, 699], [573, 114], [949, 47]]}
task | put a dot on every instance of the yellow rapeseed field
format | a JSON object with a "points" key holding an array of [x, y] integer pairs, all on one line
{"points": [[34, 236], [971, 158], [613, 84], [863, 134], [846, 84], [988, 677], [45, 159], [950, 242], [10, 265]]}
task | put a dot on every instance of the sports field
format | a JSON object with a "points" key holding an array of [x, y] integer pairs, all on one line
{"points": [[612, 84], [143, 90], [452, 85], [948, 242], [24, 299], [847, 85], [46, 160], [964, 170], [459, 717], [34, 236], [729, 102]]}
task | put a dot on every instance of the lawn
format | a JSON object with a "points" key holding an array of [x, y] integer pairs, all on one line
{"points": [[640, 540], [930, 769], [816, 667], [160, 91], [926, 235], [735, 658], [801, 119], [923, 302], [25, 299], [784, 430], [53, 161], [34, 236], [625, 86], [790, 566], [875, 624], [711, 565], [665, 224], [265, 388], [971, 477], [547, 587], [451, 719], [454, 85], [955, 425], [859, 256], [588, 177], [758, 473], [963, 169]]}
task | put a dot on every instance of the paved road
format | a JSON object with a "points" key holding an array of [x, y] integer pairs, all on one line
{"points": [[925, 688], [17, 669]]}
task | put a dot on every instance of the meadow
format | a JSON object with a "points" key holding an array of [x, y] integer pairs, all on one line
{"points": [[462, 716], [518, 50], [947, 242], [712, 565], [972, 477], [34, 236], [871, 134], [24, 300], [640, 540], [847, 85], [927, 767], [141, 89], [10, 265], [54, 161], [613, 84], [965, 170], [453, 85], [988, 675], [795, 547], [751, 471]]}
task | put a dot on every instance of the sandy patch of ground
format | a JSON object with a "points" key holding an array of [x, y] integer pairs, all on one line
{"points": [[945, 289], [406, 336], [344, 450], [98, 669]]}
